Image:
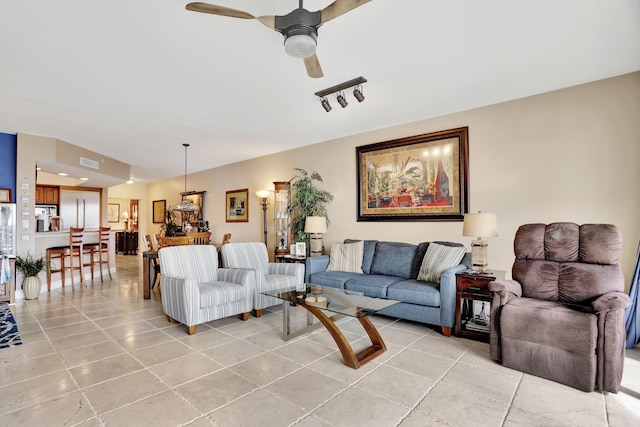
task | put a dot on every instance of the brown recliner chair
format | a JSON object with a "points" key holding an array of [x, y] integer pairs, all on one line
{"points": [[562, 315]]}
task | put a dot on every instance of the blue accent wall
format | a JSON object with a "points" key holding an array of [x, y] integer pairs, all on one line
{"points": [[8, 150]]}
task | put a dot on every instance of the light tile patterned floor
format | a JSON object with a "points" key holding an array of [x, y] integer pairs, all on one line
{"points": [[100, 355]]}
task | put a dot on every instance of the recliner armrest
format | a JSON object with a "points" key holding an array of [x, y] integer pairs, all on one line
{"points": [[315, 264], [611, 301], [504, 287]]}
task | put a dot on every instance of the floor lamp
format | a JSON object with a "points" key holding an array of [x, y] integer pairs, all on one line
{"points": [[263, 195]]}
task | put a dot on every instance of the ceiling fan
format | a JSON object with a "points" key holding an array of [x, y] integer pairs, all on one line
{"points": [[299, 27]]}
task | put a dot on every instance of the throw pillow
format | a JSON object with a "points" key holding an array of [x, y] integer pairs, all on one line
{"points": [[346, 257], [437, 259]]}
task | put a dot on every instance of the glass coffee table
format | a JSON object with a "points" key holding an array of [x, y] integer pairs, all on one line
{"points": [[318, 300]]}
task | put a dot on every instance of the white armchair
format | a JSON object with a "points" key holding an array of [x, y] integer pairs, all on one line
{"points": [[269, 275], [195, 290]]}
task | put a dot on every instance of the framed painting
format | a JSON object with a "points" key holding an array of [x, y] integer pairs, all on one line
{"points": [[159, 206], [197, 198], [418, 178], [5, 195], [237, 205], [113, 212]]}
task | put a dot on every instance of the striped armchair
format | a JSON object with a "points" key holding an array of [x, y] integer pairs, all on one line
{"points": [[195, 290], [269, 275]]}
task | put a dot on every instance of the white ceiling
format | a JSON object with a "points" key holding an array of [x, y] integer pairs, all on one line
{"points": [[134, 80]]}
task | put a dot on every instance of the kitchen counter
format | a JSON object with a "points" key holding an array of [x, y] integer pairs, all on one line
{"points": [[47, 239]]}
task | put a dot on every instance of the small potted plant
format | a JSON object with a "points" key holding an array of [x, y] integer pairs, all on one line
{"points": [[31, 266]]}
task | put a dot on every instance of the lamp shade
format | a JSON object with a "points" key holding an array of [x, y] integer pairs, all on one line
{"points": [[125, 215], [263, 194], [480, 225], [315, 224]]}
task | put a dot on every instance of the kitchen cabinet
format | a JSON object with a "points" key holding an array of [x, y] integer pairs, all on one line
{"points": [[46, 195]]}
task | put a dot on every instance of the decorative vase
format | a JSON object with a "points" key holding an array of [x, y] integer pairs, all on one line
{"points": [[31, 286]]}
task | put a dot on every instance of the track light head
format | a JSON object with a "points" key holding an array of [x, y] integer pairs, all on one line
{"points": [[341, 100], [357, 93], [325, 104]]}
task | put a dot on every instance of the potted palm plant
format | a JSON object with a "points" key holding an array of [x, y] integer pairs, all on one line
{"points": [[31, 266], [307, 200]]}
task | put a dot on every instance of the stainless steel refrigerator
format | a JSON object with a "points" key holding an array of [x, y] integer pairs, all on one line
{"points": [[80, 209]]}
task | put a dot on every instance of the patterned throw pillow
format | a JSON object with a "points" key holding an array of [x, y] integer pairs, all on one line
{"points": [[346, 257], [437, 259]]}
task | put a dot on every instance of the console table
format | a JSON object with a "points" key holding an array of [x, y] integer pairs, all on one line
{"points": [[127, 242]]}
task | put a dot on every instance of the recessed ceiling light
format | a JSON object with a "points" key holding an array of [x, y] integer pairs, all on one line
{"points": [[62, 174], [84, 179], [131, 181]]}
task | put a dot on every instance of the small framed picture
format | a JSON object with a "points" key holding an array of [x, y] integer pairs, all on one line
{"points": [[113, 212], [301, 249], [237, 205], [5, 195], [159, 206]]}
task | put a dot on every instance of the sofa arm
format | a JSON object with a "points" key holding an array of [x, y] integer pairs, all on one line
{"points": [[288, 269], [448, 296], [241, 276], [315, 264], [610, 301], [180, 299]]}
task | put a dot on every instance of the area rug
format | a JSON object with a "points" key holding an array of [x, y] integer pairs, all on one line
{"points": [[9, 334]]}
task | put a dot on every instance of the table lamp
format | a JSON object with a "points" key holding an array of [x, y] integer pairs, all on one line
{"points": [[479, 225], [125, 218], [315, 226]]}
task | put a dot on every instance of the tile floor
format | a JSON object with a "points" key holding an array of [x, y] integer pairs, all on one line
{"points": [[102, 356]]}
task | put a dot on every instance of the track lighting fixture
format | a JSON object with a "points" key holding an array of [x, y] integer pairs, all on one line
{"points": [[357, 93], [325, 104], [340, 98], [356, 84]]}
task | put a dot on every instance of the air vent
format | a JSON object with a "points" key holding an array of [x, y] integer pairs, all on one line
{"points": [[89, 163]]}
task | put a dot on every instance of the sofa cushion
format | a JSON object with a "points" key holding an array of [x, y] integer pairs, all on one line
{"points": [[346, 257], [334, 279], [438, 259], [371, 285], [367, 256], [394, 259], [415, 292]]}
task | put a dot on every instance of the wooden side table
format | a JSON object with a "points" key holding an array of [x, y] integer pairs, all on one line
{"points": [[473, 303], [289, 258]]}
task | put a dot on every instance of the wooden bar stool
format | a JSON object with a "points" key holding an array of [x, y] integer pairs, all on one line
{"points": [[102, 250], [60, 253]]}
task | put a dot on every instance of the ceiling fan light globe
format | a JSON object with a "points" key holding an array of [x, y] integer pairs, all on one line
{"points": [[300, 45]]}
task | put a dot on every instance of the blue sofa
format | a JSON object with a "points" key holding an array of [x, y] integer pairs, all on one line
{"points": [[390, 270]]}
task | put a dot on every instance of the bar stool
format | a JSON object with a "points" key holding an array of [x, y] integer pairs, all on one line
{"points": [[59, 253], [102, 250]]}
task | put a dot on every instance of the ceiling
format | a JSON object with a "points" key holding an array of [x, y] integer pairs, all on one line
{"points": [[134, 80]]}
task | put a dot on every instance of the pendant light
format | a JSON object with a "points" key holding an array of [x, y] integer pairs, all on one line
{"points": [[185, 205]]}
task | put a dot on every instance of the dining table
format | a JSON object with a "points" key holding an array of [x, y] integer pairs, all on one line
{"points": [[148, 261]]}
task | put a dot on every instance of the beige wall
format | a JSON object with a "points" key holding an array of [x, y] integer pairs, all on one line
{"points": [[568, 155]]}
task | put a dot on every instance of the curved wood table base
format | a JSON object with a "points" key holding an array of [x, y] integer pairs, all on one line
{"points": [[351, 359]]}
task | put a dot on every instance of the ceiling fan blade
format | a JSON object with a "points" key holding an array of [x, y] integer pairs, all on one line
{"points": [[340, 7], [313, 66], [268, 21]]}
